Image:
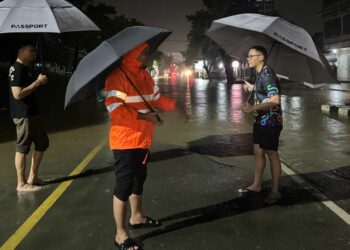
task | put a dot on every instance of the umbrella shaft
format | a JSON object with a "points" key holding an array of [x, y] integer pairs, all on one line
{"points": [[139, 92]]}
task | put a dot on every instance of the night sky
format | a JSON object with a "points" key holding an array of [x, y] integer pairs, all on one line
{"points": [[171, 14]]}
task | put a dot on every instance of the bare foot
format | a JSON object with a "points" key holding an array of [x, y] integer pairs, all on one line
{"points": [[36, 182], [121, 236], [138, 220], [28, 188]]}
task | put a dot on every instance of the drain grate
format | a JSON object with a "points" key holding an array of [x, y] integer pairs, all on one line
{"points": [[224, 145]]}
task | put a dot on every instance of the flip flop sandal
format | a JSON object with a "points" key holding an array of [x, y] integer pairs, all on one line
{"points": [[247, 192], [149, 223], [128, 243], [272, 198]]}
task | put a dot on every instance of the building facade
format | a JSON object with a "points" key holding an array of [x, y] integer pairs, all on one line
{"points": [[336, 35], [266, 7]]}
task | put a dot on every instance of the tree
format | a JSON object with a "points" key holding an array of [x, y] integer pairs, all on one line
{"points": [[199, 44], [159, 58], [200, 23], [80, 4], [104, 16]]}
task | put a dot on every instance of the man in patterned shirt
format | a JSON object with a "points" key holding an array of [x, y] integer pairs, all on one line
{"points": [[268, 122]]}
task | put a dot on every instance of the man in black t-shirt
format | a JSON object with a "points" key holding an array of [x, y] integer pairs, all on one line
{"points": [[23, 111], [268, 122]]}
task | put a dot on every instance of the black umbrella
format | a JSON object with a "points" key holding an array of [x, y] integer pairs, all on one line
{"points": [[95, 67]]}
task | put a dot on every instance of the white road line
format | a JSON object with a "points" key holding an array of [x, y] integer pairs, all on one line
{"points": [[330, 204]]}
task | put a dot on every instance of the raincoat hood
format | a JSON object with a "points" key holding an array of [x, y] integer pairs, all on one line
{"points": [[130, 61]]}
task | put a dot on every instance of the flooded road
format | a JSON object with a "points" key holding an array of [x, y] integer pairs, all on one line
{"points": [[201, 156]]}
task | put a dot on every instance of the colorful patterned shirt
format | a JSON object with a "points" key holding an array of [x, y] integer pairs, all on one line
{"points": [[267, 85]]}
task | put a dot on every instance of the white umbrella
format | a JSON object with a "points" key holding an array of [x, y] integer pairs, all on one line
{"points": [[292, 52], [42, 16]]}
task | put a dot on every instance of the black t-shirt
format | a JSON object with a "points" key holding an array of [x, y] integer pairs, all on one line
{"points": [[21, 76]]}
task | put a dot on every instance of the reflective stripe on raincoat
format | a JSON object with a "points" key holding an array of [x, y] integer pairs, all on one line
{"points": [[124, 103]]}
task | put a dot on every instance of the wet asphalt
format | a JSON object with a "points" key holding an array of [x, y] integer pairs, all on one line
{"points": [[198, 162]]}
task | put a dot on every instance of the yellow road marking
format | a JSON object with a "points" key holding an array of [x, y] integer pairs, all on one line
{"points": [[39, 213]]}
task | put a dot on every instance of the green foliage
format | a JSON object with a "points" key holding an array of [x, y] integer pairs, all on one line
{"points": [[72, 46], [108, 20], [80, 4], [156, 56], [200, 46]]}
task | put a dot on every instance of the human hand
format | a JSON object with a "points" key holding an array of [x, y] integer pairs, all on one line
{"points": [[248, 108], [42, 79], [248, 86]]}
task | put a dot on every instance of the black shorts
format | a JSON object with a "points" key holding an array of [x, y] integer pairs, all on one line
{"points": [[267, 136], [130, 172]]}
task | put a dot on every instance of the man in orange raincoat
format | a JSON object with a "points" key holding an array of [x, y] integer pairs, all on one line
{"points": [[131, 131]]}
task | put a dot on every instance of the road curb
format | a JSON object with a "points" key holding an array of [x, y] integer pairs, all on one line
{"points": [[344, 111], [340, 110]]}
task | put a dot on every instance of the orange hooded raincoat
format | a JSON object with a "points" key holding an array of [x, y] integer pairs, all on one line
{"points": [[124, 103]]}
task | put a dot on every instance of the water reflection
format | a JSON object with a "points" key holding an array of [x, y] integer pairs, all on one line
{"points": [[309, 139], [222, 104], [237, 100], [334, 127], [206, 100], [200, 100], [188, 100], [337, 97], [293, 112]]}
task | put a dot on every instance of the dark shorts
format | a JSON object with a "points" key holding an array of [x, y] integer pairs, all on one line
{"points": [[267, 136], [30, 130], [130, 172]]}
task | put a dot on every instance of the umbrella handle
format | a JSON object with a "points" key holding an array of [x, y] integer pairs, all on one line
{"points": [[159, 119]]}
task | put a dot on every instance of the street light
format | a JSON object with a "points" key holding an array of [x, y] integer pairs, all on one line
{"points": [[235, 64], [188, 73]]}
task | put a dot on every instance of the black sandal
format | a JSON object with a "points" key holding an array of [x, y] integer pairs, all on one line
{"points": [[149, 223], [128, 243], [273, 198]]}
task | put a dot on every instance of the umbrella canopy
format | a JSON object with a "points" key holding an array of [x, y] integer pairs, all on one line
{"points": [[292, 52], [94, 67], [42, 16]]}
